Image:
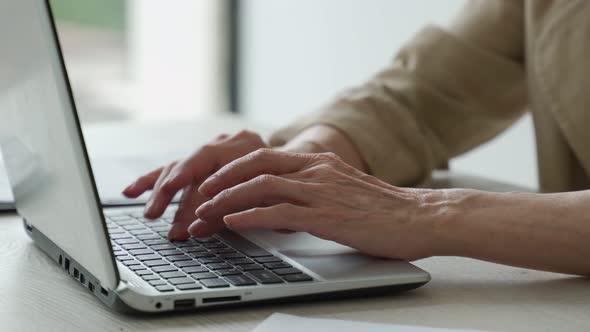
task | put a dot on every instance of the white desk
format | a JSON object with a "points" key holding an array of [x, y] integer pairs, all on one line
{"points": [[36, 295]]}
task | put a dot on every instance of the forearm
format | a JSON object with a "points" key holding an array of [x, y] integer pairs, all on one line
{"points": [[540, 231], [322, 138]]}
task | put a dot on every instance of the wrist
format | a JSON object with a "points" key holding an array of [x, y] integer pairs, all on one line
{"points": [[444, 213]]}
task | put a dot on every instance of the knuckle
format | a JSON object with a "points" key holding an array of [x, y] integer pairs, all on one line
{"points": [[267, 180], [221, 136], [330, 157], [262, 153], [319, 170], [168, 187], [245, 134]]}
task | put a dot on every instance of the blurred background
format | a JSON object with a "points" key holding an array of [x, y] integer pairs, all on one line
{"points": [[268, 60]]}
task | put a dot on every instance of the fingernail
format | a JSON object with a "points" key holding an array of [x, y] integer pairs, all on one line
{"points": [[228, 221], [204, 208], [196, 226]]}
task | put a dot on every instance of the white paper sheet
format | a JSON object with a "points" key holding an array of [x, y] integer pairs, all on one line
{"points": [[289, 323]]}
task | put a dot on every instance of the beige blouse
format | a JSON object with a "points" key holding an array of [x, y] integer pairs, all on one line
{"points": [[450, 90]]}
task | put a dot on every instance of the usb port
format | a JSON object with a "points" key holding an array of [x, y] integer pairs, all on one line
{"points": [[184, 304], [67, 264]]}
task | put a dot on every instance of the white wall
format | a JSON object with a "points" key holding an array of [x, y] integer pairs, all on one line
{"points": [[296, 54]]}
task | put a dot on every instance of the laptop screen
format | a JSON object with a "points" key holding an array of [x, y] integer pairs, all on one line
{"points": [[42, 143]]}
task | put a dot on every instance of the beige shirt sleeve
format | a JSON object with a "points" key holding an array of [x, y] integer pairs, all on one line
{"points": [[446, 92]]}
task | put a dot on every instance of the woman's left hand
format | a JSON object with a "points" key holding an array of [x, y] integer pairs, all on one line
{"points": [[321, 195]]}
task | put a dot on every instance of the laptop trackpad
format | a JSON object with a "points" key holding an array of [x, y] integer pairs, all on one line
{"points": [[328, 259]]}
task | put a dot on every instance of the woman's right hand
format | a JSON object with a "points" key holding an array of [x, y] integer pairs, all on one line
{"points": [[187, 175]]}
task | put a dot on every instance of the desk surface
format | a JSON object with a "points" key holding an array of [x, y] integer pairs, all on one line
{"points": [[36, 295]]}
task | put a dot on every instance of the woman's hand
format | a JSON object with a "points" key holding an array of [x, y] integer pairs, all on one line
{"points": [[321, 195], [187, 175]]}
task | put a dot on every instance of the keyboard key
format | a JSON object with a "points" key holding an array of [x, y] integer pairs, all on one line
{"points": [[150, 277], [141, 252], [166, 246], [140, 231], [204, 275], [240, 261], [298, 277], [158, 262], [241, 244], [133, 246], [186, 263], [120, 236], [176, 258], [163, 228], [214, 245], [219, 266], [124, 258], [286, 271], [156, 242], [182, 280], [133, 226], [130, 262], [126, 241], [234, 255], [115, 230], [148, 257], [181, 244], [270, 259], [173, 274], [164, 268], [136, 267], [201, 254], [120, 218], [250, 267], [240, 280], [209, 260], [225, 250], [214, 283], [277, 265], [189, 286], [195, 269], [228, 272], [194, 249], [265, 277], [170, 252], [119, 253], [165, 288], [151, 236], [143, 272], [157, 282]]}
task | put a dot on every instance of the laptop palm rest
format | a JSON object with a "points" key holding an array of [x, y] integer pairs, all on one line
{"points": [[331, 260]]}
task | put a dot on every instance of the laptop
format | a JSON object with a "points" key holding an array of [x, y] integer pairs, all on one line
{"points": [[123, 259]]}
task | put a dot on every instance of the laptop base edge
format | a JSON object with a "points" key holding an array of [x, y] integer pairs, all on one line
{"points": [[112, 300]]}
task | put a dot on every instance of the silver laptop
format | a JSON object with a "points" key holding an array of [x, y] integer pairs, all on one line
{"points": [[120, 257]]}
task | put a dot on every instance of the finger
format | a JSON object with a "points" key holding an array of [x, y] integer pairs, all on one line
{"points": [[262, 161], [184, 173], [149, 207], [143, 183], [185, 215], [264, 190], [278, 217], [202, 228]]}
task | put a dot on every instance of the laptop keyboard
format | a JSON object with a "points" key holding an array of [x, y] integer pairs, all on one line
{"points": [[223, 260]]}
